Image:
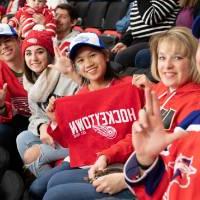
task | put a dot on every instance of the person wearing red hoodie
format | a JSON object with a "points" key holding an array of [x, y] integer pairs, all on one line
{"points": [[14, 111], [165, 165]]}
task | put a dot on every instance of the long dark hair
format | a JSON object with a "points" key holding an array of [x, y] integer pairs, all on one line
{"points": [[32, 76], [110, 73]]}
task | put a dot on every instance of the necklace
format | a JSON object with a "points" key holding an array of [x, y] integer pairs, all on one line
{"points": [[91, 88]]}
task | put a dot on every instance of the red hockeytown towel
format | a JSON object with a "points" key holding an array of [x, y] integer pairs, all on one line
{"points": [[92, 122]]}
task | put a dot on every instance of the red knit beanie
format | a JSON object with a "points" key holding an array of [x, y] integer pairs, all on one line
{"points": [[41, 38]]}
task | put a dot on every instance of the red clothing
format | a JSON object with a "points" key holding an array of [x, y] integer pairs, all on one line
{"points": [[14, 5], [24, 19], [16, 99], [175, 107], [92, 121], [175, 175]]}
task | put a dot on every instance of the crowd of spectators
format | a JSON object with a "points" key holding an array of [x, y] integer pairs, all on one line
{"points": [[80, 119]]}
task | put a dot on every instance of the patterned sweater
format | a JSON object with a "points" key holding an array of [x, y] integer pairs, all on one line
{"points": [[24, 20], [150, 17]]}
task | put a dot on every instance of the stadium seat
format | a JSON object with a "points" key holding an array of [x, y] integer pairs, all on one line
{"points": [[95, 15], [110, 36], [81, 8], [115, 12]]}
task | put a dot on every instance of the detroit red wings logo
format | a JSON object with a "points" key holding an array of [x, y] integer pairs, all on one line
{"points": [[182, 171], [106, 131]]}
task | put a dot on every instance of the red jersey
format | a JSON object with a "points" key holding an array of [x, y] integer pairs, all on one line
{"points": [[92, 121], [174, 175]]}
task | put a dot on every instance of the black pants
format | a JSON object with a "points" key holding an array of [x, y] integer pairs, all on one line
{"points": [[11, 184], [127, 57], [8, 134]]}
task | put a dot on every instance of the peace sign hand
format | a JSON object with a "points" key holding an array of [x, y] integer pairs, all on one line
{"points": [[62, 61], [148, 135]]}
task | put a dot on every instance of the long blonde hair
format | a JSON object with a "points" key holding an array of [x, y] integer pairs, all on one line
{"points": [[184, 41]]}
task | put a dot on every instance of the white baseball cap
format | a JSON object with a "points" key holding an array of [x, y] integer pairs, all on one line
{"points": [[84, 39], [6, 30]]}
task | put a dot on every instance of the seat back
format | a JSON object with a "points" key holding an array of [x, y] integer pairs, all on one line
{"points": [[96, 14], [115, 12], [81, 8]]}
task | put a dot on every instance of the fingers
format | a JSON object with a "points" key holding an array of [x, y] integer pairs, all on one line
{"points": [[136, 127], [50, 107], [114, 49], [155, 104], [140, 80], [117, 47], [100, 164], [3, 92], [152, 104], [149, 103], [57, 52], [104, 184], [5, 86], [52, 100], [91, 172], [47, 139], [51, 66], [51, 142], [170, 138], [99, 184], [143, 119]]}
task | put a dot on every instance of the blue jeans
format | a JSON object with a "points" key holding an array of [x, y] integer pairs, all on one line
{"points": [[39, 185], [48, 154], [70, 184]]}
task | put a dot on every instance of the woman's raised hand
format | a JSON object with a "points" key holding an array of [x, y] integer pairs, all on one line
{"points": [[148, 135], [62, 61], [141, 80]]}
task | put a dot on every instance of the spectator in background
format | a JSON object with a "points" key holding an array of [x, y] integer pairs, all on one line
{"points": [[34, 15], [52, 4], [5, 19], [123, 24], [14, 5], [66, 18], [147, 18], [190, 9]]}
